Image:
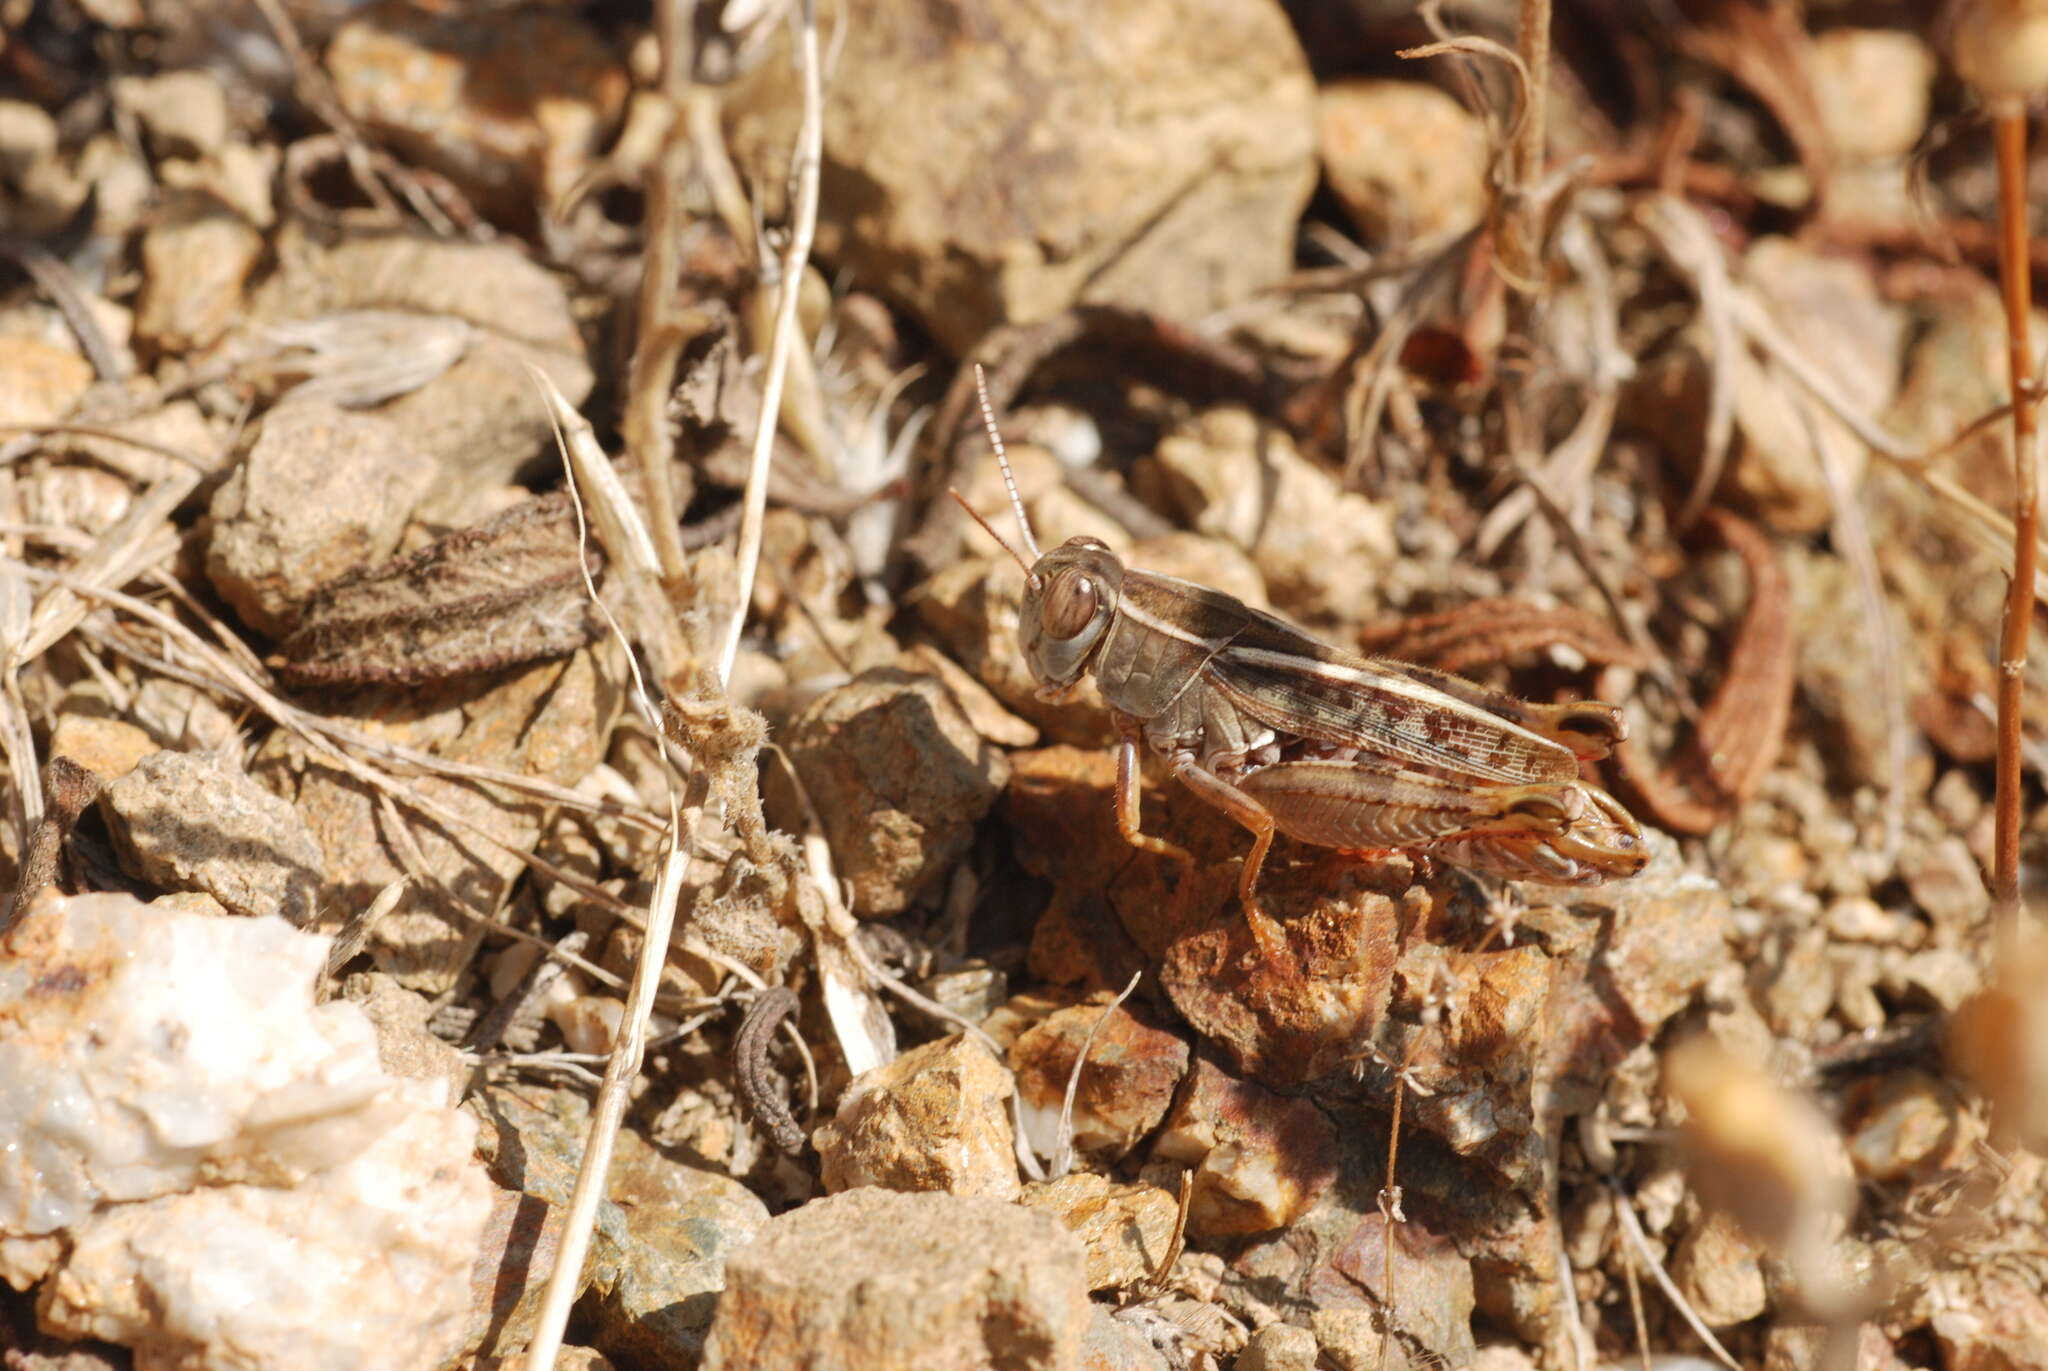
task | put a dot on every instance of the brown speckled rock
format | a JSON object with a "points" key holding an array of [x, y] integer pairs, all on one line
{"points": [[1717, 1268], [195, 262], [1405, 159], [1260, 1159], [478, 419], [39, 381], [1291, 1023], [936, 1118], [1125, 1089], [512, 105], [183, 821], [899, 777], [1324, 551], [1430, 1286], [1127, 1228], [954, 177], [323, 492], [891, 1282]]}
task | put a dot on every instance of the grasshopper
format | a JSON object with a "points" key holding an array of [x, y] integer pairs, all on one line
{"points": [[1287, 734]]}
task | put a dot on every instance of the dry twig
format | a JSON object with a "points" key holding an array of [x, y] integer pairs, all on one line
{"points": [[804, 169], [69, 788], [632, 555], [1063, 1146], [1639, 1244], [2010, 123]]}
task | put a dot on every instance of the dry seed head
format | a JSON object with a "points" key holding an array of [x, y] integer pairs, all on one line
{"points": [[1998, 1042], [1766, 1155], [2000, 47]]}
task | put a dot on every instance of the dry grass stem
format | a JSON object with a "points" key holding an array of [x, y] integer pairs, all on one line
{"points": [[860, 1023], [609, 1110], [661, 337], [60, 284], [1375, 368], [804, 170], [1063, 1145], [2009, 123], [1992, 530], [1532, 42], [1688, 243], [256, 696], [69, 788], [143, 538], [1635, 1307], [632, 554], [1535, 441], [1639, 1244], [1570, 465], [1390, 1205]]}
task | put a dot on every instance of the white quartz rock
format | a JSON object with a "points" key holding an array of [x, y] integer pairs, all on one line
{"points": [[363, 1267], [212, 1169], [147, 1051]]}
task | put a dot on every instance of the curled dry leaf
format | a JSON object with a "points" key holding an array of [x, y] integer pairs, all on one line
{"points": [[1484, 632], [502, 593], [1742, 728]]}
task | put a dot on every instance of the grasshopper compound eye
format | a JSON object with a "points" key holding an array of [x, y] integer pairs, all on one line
{"points": [[1070, 605]]}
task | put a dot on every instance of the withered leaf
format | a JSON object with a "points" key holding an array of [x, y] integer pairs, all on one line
{"points": [[502, 593]]}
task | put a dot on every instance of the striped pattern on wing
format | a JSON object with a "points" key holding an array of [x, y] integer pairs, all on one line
{"points": [[1295, 684]]}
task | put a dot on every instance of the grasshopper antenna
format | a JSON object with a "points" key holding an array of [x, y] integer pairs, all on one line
{"points": [[1001, 541], [995, 438]]}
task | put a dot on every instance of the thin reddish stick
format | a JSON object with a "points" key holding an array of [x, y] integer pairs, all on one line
{"points": [[2011, 129]]}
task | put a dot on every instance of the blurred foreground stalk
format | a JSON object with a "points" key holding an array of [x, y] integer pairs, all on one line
{"points": [[2010, 123], [2000, 49]]}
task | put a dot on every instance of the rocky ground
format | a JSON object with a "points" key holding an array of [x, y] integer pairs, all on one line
{"points": [[351, 755]]}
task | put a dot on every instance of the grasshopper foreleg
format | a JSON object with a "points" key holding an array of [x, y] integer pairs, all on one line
{"points": [[1235, 803], [1256, 817], [1127, 802]]}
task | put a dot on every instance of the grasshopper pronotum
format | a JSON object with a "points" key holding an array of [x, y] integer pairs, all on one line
{"points": [[1287, 734]]}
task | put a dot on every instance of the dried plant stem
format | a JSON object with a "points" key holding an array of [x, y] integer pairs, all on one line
{"points": [[2010, 126], [661, 339], [804, 170], [1991, 530], [1639, 1243], [70, 788], [1063, 1145], [564, 1282], [615, 1091], [1390, 1212], [1532, 44], [1635, 1307]]}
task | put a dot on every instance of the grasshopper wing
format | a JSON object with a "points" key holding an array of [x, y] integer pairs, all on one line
{"points": [[1294, 683]]}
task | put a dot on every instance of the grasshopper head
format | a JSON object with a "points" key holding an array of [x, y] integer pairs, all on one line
{"points": [[1070, 593], [1069, 598]]}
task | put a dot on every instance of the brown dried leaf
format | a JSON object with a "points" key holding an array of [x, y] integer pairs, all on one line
{"points": [[1742, 729], [504, 592], [1483, 632]]}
